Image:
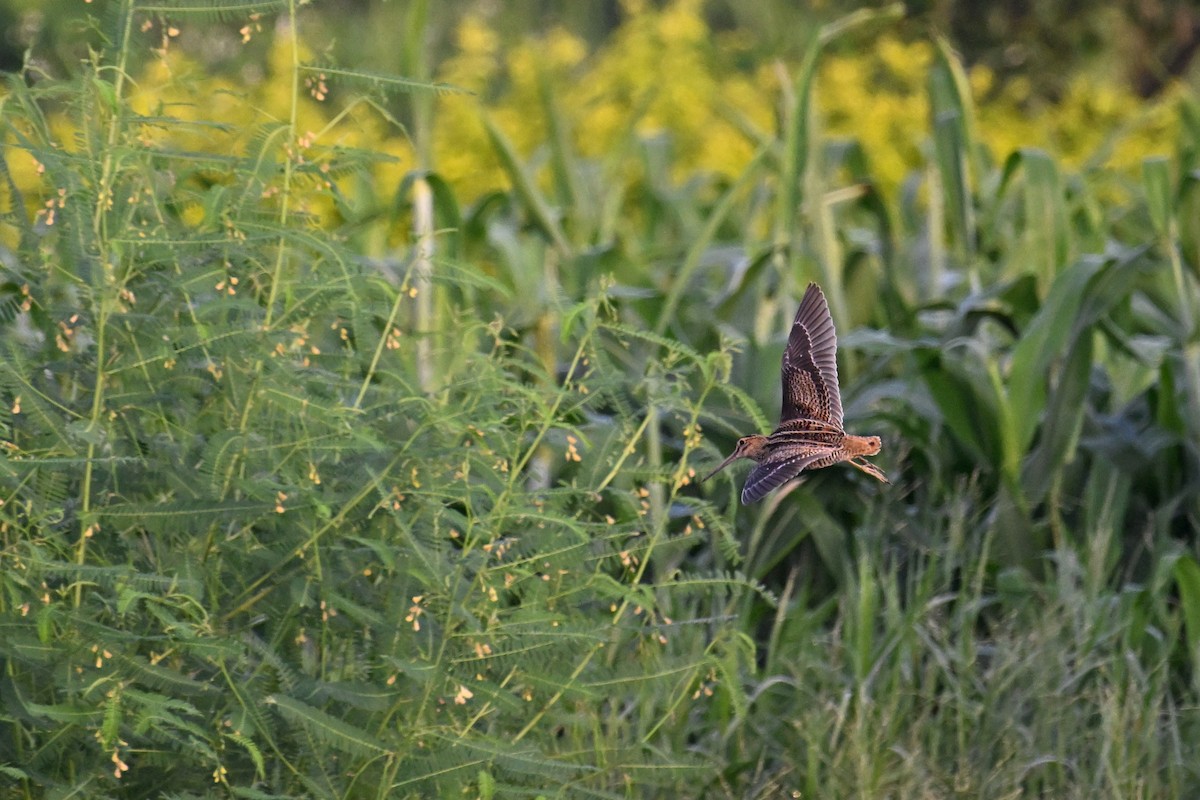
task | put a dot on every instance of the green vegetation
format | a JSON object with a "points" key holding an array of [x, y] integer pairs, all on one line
{"points": [[326, 476]]}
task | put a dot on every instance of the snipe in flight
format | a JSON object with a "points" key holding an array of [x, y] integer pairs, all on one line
{"points": [[810, 434]]}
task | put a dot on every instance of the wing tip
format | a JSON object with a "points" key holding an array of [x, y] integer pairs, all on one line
{"points": [[812, 304]]}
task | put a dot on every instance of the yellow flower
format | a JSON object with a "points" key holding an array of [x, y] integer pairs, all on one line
{"points": [[681, 21], [563, 49], [981, 79], [475, 38]]}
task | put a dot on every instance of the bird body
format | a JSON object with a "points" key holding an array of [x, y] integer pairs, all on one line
{"points": [[810, 433]]}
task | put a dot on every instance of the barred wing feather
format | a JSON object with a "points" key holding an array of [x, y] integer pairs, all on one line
{"points": [[810, 378], [769, 475]]}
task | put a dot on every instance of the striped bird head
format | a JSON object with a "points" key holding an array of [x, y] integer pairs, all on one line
{"points": [[751, 447]]}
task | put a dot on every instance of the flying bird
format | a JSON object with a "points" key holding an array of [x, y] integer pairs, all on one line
{"points": [[810, 433]]}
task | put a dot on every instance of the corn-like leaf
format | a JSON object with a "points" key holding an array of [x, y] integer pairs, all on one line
{"points": [[1187, 581], [526, 188], [1157, 180]]}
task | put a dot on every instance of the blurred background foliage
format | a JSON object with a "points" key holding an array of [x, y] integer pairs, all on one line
{"points": [[1072, 77], [1142, 46], [359, 359]]}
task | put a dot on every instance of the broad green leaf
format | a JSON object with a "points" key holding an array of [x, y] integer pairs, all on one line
{"points": [[1045, 339], [526, 188], [1157, 179], [1187, 581]]}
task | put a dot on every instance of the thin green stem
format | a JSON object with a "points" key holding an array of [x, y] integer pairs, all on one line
{"points": [[289, 167], [102, 298]]}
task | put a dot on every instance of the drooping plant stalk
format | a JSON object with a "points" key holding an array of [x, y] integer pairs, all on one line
{"points": [[106, 284]]}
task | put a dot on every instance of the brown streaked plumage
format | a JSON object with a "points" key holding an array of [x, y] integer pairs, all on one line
{"points": [[810, 434]]}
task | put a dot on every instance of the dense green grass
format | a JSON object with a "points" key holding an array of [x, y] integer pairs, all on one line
{"points": [[424, 522]]}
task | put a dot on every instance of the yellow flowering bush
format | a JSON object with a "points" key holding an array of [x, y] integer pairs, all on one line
{"points": [[1092, 121], [186, 109], [664, 71], [879, 98], [656, 76]]}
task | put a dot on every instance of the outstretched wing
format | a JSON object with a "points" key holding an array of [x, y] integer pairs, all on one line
{"points": [[770, 475], [810, 378]]}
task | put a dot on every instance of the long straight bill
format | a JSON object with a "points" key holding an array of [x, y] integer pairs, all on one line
{"points": [[724, 464]]}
